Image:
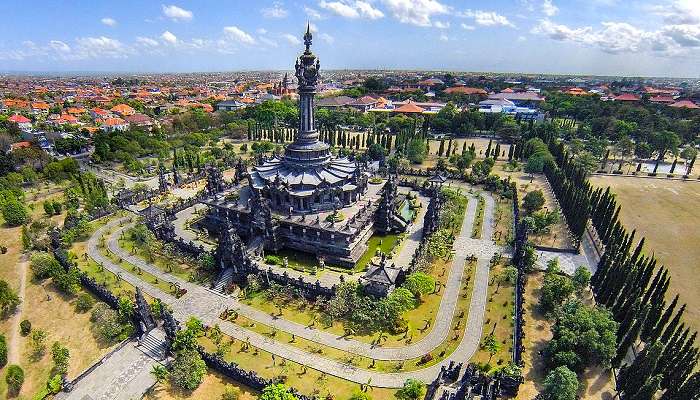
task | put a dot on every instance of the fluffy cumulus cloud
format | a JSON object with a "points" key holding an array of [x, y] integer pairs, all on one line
{"points": [[487, 18], [108, 21], [169, 37], [622, 37], [101, 47], [146, 42], [276, 11], [238, 35], [293, 40], [312, 13], [549, 9], [59, 46], [415, 12], [467, 27], [441, 24], [351, 9], [177, 14]]}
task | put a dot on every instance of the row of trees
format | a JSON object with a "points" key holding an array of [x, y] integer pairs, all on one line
{"points": [[626, 282]]}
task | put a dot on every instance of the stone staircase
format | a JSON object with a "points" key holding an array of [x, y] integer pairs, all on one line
{"points": [[222, 280], [152, 344]]}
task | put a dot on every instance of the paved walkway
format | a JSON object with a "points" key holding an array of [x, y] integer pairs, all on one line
{"points": [[124, 374], [207, 306]]}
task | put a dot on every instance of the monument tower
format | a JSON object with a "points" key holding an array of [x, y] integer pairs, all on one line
{"points": [[308, 177]]}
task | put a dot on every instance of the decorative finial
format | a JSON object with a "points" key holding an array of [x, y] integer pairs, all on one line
{"points": [[307, 37]]}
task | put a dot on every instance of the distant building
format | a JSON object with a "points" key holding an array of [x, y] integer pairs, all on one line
{"points": [[115, 124], [685, 104], [629, 97], [23, 122], [123, 110], [139, 120], [334, 102], [229, 105], [469, 91]]}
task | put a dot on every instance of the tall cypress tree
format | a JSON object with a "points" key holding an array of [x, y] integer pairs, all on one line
{"points": [[690, 390], [672, 326], [665, 317], [641, 370], [647, 391]]}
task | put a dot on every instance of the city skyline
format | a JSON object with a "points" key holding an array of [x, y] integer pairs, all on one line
{"points": [[602, 37]]}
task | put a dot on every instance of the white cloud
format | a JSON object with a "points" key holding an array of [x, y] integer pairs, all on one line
{"points": [[169, 37], [267, 41], [291, 39], [441, 25], [176, 13], [521, 38], [444, 37], [679, 12], [101, 47], [146, 41], [236, 34], [312, 13], [368, 11], [108, 21], [261, 31], [467, 27], [621, 37], [327, 38], [276, 11], [549, 9], [415, 12], [59, 46], [487, 18], [352, 9]]}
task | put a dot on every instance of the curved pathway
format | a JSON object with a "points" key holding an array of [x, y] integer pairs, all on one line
{"points": [[207, 305]]}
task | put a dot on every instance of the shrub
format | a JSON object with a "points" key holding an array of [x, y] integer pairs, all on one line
{"points": [[231, 393], [273, 260], [3, 351], [25, 327], [84, 303], [61, 356], [14, 378], [44, 265], [188, 369]]}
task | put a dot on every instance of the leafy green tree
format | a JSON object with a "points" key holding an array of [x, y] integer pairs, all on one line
{"points": [[3, 351], [276, 391], [188, 369], [533, 201], [358, 395], [416, 151], [61, 357], [14, 212], [582, 278], [419, 284], [8, 299], [561, 384], [412, 390], [14, 378], [159, 372], [491, 345], [555, 289], [231, 393]]}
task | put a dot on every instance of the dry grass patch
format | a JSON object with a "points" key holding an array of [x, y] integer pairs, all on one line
{"points": [[666, 213], [212, 387]]}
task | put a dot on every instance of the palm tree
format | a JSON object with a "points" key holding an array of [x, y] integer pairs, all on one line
{"points": [[160, 373]]}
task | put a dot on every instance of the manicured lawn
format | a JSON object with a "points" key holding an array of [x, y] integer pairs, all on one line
{"points": [[212, 387], [383, 243], [305, 379], [503, 220], [498, 319]]}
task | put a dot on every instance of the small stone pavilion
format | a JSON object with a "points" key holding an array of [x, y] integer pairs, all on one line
{"points": [[289, 199]]}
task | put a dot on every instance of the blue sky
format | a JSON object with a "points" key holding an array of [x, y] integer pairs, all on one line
{"points": [[607, 37]]}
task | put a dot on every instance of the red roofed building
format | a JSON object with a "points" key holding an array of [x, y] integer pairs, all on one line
{"points": [[685, 104], [19, 145], [114, 124], [465, 90], [409, 108], [662, 100], [627, 97], [21, 121]]}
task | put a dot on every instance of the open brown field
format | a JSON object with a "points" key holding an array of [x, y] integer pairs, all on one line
{"points": [[666, 213]]}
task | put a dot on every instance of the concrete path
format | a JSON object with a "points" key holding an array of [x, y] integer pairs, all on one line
{"points": [[123, 375], [207, 306]]}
